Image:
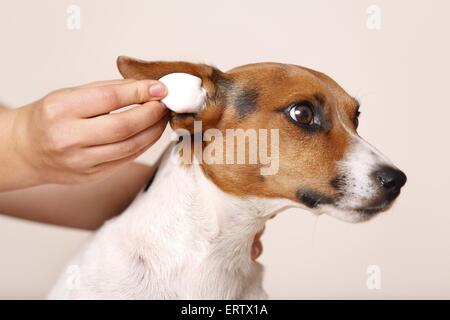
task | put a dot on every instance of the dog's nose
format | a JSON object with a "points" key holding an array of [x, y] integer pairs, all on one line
{"points": [[390, 179]]}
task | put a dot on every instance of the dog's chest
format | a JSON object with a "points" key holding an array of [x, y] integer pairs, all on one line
{"points": [[175, 241], [169, 244]]}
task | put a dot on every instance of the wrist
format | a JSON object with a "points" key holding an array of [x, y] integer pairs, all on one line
{"points": [[17, 169]]}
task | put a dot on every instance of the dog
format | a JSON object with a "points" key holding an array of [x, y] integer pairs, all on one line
{"points": [[189, 236]]}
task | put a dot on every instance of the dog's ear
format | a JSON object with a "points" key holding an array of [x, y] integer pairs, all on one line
{"points": [[215, 83]]}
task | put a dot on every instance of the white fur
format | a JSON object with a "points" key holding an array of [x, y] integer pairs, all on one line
{"points": [[182, 239], [357, 166], [185, 93], [359, 162]]}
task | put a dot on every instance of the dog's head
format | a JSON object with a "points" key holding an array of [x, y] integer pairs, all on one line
{"points": [[323, 163]]}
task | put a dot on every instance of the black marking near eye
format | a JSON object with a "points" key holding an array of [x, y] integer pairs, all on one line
{"points": [[245, 101], [357, 104], [356, 119], [320, 99], [357, 113]]}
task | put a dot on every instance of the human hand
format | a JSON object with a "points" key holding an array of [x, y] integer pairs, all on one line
{"points": [[70, 136]]}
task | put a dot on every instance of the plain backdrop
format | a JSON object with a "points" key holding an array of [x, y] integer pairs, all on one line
{"points": [[399, 73]]}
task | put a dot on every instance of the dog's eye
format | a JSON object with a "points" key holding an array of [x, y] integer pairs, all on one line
{"points": [[302, 113]]}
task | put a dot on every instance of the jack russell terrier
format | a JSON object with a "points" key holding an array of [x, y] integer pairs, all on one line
{"points": [[190, 235]]}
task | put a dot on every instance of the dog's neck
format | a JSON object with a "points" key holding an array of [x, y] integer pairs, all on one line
{"points": [[196, 225], [182, 194]]}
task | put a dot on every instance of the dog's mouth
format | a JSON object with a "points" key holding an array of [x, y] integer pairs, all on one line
{"points": [[381, 203], [377, 206], [344, 207], [354, 215], [372, 210], [368, 212]]}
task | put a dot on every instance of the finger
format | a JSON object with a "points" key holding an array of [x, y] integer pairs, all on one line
{"points": [[127, 148], [94, 101], [106, 83], [117, 127], [65, 91], [107, 168]]}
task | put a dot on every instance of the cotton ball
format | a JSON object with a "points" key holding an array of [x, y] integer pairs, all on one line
{"points": [[185, 93]]}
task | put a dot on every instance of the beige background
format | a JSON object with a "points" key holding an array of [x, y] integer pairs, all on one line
{"points": [[400, 73]]}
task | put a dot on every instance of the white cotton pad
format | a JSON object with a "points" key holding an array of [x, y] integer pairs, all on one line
{"points": [[185, 93]]}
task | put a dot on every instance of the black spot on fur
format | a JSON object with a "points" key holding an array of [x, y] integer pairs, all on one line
{"points": [[227, 93], [223, 85], [320, 99], [313, 199], [338, 182], [245, 101]]}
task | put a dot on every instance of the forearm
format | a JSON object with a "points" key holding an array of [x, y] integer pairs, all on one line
{"points": [[84, 206]]}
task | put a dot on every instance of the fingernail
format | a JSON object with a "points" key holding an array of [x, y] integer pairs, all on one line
{"points": [[157, 90]]}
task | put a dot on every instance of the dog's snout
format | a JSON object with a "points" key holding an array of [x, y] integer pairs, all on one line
{"points": [[390, 179]]}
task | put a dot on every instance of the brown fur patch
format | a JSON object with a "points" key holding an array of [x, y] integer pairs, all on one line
{"points": [[307, 159]]}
